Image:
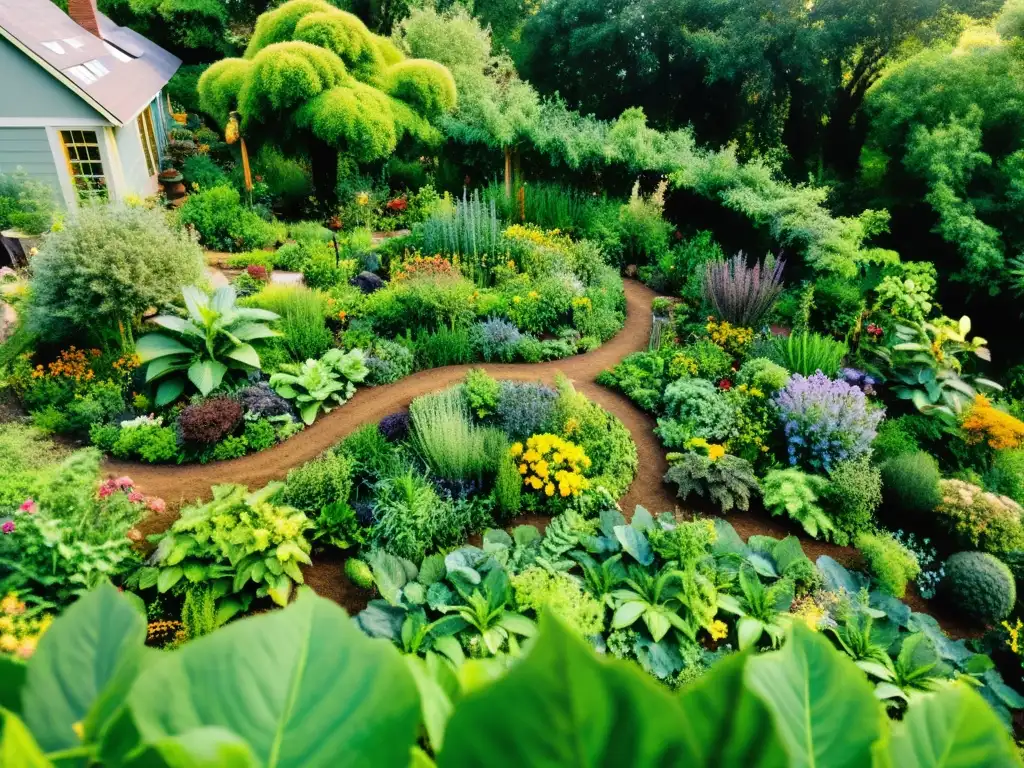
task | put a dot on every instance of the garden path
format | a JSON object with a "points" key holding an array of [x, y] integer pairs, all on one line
{"points": [[179, 485]]}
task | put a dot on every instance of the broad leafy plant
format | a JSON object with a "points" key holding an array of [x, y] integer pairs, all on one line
{"points": [[795, 493], [925, 365], [762, 610], [303, 687], [244, 544], [209, 341], [322, 384]]}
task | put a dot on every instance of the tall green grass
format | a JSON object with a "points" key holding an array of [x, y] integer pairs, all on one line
{"points": [[805, 353], [450, 443], [442, 347], [550, 206], [303, 323]]}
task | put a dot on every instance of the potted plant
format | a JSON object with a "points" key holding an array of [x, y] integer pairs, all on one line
{"points": [[173, 183]]}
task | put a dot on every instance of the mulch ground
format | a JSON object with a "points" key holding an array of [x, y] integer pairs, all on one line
{"points": [[179, 485]]}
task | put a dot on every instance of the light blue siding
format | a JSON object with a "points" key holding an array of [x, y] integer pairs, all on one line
{"points": [[28, 149], [28, 90]]}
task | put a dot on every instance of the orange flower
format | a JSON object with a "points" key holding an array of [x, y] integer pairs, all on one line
{"points": [[984, 423]]}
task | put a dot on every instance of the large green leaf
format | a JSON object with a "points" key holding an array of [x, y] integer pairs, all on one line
{"points": [[953, 728], [252, 331], [12, 681], [206, 375], [823, 707], [83, 667], [600, 712], [169, 391], [202, 748], [154, 345], [17, 747], [724, 724], [302, 686], [165, 365], [246, 354]]}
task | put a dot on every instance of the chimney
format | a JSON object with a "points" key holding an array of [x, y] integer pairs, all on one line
{"points": [[85, 15]]}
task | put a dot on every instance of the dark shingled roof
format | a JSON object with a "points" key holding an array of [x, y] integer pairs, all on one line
{"points": [[135, 68]]}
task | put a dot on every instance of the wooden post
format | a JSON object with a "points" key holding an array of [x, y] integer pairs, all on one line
{"points": [[508, 172]]}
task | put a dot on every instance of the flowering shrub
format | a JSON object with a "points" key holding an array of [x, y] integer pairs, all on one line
{"points": [[985, 423], [20, 628], [859, 379], [72, 364], [257, 272], [980, 519], [825, 421], [734, 339], [549, 464], [424, 267]]}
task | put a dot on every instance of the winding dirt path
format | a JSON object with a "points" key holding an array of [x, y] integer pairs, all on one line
{"points": [[179, 485], [185, 484]]}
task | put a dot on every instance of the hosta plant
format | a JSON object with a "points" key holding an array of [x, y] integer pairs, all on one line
{"points": [[795, 493], [244, 543], [208, 342], [322, 384], [303, 687], [761, 610]]}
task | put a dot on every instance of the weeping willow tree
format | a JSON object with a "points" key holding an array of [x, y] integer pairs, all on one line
{"points": [[315, 81]]}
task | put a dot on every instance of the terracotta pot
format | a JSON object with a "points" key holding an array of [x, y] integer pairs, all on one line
{"points": [[172, 183]]}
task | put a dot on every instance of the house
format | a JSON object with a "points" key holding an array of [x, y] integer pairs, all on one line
{"points": [[81, 104]]}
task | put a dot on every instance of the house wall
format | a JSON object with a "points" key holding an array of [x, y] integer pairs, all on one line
{"points": [[137, 180], [29, 149], [29, 91]]}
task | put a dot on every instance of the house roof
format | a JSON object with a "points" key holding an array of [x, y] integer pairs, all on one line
{"points": [[117, 75]]}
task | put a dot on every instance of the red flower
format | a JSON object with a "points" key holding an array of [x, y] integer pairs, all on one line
{"points": [[257, 272], [398, 204], [725, 384]]}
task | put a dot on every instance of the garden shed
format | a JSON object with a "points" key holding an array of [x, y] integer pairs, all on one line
{"points": [[81, 105]]}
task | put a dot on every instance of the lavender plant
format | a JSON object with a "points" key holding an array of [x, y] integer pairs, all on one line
{"points": [[525, 409], [496, 339], [743, 294], [825, 421]]}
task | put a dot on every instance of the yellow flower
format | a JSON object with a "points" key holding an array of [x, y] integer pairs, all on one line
{"points": [[549, 489], [716, 452], [363, 198], [718, 630], [517, 449], [516, 299], [8, 643]]}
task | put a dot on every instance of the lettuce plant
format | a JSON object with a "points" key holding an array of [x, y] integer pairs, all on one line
{"points": [[204, 345], [322, 384]]}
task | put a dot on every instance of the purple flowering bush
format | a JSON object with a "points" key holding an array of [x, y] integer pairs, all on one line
{"points": [[825, 421]]}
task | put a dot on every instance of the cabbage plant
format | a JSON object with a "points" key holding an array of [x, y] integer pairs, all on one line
{"points": [[321, 384], [211, 340]]}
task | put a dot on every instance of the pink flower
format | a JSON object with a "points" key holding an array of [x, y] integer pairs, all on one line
{"points": [[28, 506], [105, 490], [7, 527], [156, 504], [135, 497], [124, 482]]}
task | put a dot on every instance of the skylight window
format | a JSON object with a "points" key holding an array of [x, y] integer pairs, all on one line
{"points": [[82, 75], [55, 47], [116, 52], [96, 67], [74, 42]]}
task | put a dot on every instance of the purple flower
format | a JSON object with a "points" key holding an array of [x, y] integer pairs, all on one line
{"points": [[825, 421], [7, 527]]}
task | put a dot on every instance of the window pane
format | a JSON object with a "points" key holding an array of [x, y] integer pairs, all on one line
{"points": [[93, 153], [65, 136], [90, 137]]}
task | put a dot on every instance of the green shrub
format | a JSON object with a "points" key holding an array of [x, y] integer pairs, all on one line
{"points": [[894, 438], [322, 269], [712, 361], [150, 443], [224, 224], [891, 563], [508, 487], [231, 447], [259, 257], [404, 505], [763, 374], [309, 231], [359, 573], [289, 183], [695, 408], [853, 494], [302, 321], [978, 519], [259, 435], [1006, 475], [201, 172], [105, 267], [979, 585], [805, 353], [389, 361], [838, 305], [728, 481], [26, 204], [443, 347], [482, 393], [910, 484], [795, 493], [452, 446], [327, 479], [540, 590]]}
